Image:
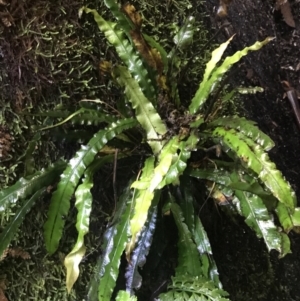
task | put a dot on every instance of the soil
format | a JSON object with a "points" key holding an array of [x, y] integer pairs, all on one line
{"points": [[246, 272]]}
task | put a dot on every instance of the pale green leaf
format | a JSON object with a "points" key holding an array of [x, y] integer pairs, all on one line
{"points": [[142, 205], [209, 84], [125, 296], [146, 114], [247, 127], [83, 205]]}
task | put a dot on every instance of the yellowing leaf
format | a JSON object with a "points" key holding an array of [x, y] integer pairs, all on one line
{"points": [[72, 262]]}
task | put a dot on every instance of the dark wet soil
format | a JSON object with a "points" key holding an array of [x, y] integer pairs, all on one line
{"points": [[246, 271]]}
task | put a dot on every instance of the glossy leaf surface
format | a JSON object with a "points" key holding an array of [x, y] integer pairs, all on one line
{"points": [[60, 202], [125, 296], [212, 78], [145, 112], [259, 219], [254, 157], [25, 187], [114, 242], [142, 204], [188, 256], [247, 127], [83, 205], [138, 256], [116, 36]]}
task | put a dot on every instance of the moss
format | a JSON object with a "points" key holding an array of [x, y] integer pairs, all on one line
{"points": [[50, 58]]}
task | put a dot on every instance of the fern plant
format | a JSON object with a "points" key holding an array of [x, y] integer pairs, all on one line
{"points": [[177, 141]]}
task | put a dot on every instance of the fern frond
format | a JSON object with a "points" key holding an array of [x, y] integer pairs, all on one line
{"points": [[124, 22], [179, 161], [258, 218], [187, 288], [83, 205], [213, 76], [25, 187], [8, 232], [125, 51], [142, 204], [91, 117], [254, 157], [144, 110], [219, 176], [247, 127], [138, 256], [186, 201], [60, 202], [188, 256], [184, 37], [114, 242], [284, 217], [125, 296]]}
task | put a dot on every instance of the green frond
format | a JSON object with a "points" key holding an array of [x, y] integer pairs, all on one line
{"points": [[182, 40], [184, 37], [220, 176], [60, 202], [284, 217], [186, 202], [209, 266], [114, 242], [179, 163], [83, 205], [125, 296], [142, 204], [259, 219], [213, 75], [91, 117], [187, 288], [145, 112], [247, 127], [273, 178], [126, 52], [9, 231], [123, 21], [188, 255], [256, 159], [25, 187], [296, 217]]}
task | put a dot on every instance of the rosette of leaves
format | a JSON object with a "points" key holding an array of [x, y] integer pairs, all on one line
{"points": [[168, 134]]}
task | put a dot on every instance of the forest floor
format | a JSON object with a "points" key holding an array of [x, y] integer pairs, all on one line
{"points": [[249, 273]]}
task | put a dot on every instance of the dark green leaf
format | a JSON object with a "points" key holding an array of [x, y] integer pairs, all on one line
{"points": [[9, 231]]}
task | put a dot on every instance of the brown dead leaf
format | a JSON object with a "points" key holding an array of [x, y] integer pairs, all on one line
{"points": [[2, 289], [285, 9], [2, 295], [133, 15], [18, 252]]}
